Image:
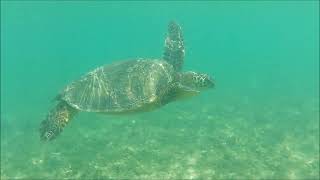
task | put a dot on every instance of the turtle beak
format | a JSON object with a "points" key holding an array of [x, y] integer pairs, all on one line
{"points": [[210, 82]]}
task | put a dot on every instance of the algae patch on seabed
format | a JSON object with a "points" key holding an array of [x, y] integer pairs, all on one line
{"points": [[233, 143]]}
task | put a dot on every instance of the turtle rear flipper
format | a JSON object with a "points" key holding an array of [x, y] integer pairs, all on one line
{"points": [[174, 46], [56, 120]]}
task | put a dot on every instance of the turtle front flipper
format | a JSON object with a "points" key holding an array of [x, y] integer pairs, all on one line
{"points": [[174, 46], [56, 120]]}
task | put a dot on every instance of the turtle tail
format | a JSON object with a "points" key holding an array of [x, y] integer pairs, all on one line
{"points": [[174, 46], [56, 120]]}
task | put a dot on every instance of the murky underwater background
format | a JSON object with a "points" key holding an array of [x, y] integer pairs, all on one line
{"points": [[260, 121]]}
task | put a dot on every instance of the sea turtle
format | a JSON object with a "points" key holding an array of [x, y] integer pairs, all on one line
{"points": [[128, 86]]}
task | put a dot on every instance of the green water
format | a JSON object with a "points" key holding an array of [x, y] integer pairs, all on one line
{"points": [[260, 121]]}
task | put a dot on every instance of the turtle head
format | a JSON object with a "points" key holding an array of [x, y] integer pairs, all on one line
{"points": [[196, 81], [191, 83]]}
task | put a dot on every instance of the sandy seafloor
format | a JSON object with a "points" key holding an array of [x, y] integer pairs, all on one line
{"points": [[261, 121]]}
